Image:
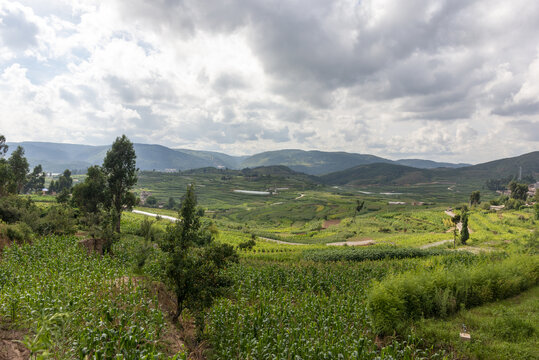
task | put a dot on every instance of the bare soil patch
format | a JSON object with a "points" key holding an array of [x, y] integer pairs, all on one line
{"points": [[329, 223], [10, 346]]}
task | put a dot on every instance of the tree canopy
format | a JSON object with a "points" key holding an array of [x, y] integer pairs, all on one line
{"points": [[195, 262], [120, 169]]}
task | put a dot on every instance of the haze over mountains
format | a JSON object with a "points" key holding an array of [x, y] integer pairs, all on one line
{"points": [[55, 157]]}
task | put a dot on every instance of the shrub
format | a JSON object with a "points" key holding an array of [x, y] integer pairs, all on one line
{"points": [[18, 232], [438, 292], [362, 254]]}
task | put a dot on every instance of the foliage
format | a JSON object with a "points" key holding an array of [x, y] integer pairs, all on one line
{"points": [[19, 168], [475, 198], [247, 245], [441, 291], [464, 232], [3, 146], [91, 195], [120, 168], [374, 253], [519, 191], [303, 310], [196, 262], [35, 181], [77, 306]]}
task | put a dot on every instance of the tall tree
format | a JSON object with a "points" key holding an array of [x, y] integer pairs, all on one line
{"points": [[3, 146], [35, 180], [518, 191], [5, 177], [65, 181], [19, 168], [195, 261], [92, 193], [475, 198], [464, 233], [120, 168]]}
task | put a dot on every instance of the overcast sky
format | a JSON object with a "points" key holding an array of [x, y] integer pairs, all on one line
{"points": [[445, 80]]}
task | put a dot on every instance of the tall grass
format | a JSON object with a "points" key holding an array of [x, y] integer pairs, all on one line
{"points": [[440, 291]]}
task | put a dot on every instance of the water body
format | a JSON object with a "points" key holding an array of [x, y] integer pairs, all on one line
{"points": [[252, 192]]}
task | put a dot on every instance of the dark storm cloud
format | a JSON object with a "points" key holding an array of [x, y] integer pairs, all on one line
{"points": [[16, 31], [413, 49]]}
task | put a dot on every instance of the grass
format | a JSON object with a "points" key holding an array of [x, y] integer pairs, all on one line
{"points": [[498, 331]]}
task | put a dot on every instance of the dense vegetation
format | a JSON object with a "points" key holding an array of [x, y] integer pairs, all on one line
{"points": [[77, 305], [252, 273], [375, 253]]}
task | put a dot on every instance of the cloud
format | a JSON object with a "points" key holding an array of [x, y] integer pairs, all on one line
{"points": [[383, 77], [16, 31]]}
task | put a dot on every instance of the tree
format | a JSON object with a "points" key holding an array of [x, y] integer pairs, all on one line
{"points": [[518, 191], [3, 146], [91, 195], [475, 198], [359, 206], [64, 181], [35, 180], [464, 233], [19, 169], [5, 177], [151, 201], [195, 262], [120, 168], [171, 203], [455, 220]]}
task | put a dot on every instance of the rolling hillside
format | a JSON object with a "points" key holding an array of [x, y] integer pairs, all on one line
{"points": [[311, 162], [392, 174], [56, 157]]}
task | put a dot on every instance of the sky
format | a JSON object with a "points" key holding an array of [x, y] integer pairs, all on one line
{"points": [[454, 80]]}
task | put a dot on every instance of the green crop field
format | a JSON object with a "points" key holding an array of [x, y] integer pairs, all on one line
{"points": [[404, 294]]}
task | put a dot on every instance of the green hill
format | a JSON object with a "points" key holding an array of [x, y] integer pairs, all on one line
{"points": [[379, 174], [428, 164], [392, 174], [311, 162]]}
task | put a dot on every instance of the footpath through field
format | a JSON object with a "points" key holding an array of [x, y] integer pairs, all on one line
{"points": [[155, 215]]}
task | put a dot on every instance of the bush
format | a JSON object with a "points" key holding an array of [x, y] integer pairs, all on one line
{"points": [[18, 232], [59, 220], [362, 254], [14, 208], [439, 292]]}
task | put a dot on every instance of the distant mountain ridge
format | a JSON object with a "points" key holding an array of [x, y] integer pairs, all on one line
{"points": [[55, 157], [395, 174]]}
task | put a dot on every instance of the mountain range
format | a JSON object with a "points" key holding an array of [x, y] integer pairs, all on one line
{"points": [[56, 157]]}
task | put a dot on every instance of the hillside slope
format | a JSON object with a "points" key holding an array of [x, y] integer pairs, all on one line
{"points": [[386, 174], [311, 162]]}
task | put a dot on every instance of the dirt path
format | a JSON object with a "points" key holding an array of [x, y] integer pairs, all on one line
{"points": [[300, 196], [279, 241], [450, 213], [154, 215], [437, 243]]}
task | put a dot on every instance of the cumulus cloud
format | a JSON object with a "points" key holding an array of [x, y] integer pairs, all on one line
{"points": [[436, 79]]}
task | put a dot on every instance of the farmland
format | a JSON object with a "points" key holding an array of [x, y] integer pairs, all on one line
{"points": [[287, 301]]}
